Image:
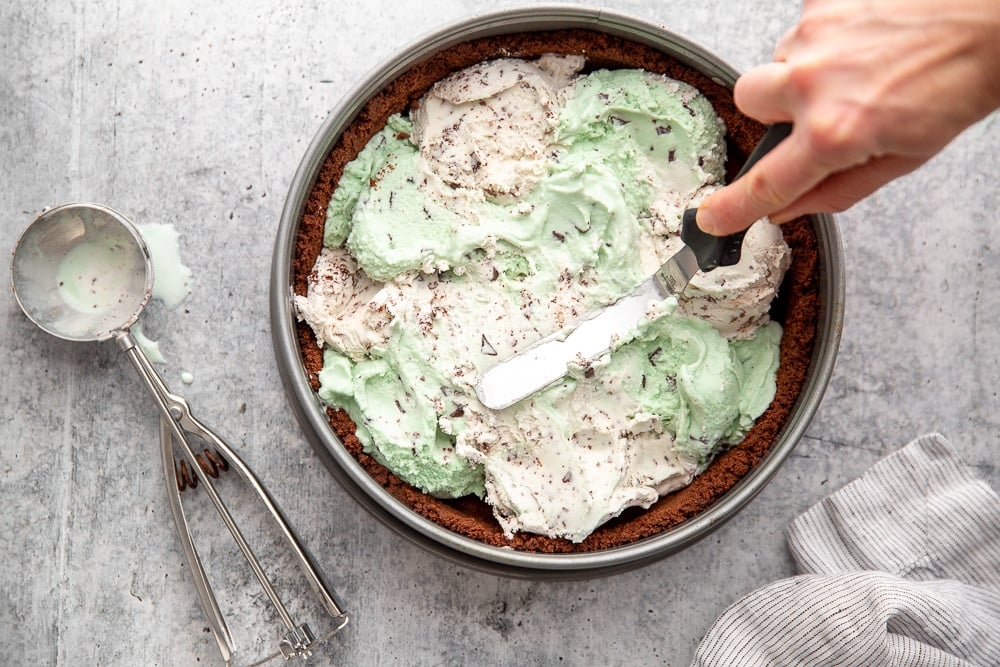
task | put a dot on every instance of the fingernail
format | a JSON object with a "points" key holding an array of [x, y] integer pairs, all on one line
{"points": [[706, 218]]}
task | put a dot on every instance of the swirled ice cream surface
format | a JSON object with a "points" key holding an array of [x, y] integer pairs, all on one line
{"points": [[516, 198]]}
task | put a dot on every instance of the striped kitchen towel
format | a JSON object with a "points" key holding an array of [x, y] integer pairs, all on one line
{"points": [[901, 567]]}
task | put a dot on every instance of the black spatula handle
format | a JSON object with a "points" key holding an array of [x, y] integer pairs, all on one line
{"points": [[715, 251]]}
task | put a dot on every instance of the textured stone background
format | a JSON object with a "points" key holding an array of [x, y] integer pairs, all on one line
{"points": [[196, 114]]}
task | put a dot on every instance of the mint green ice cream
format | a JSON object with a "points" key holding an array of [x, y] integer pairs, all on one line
{"points": [[518, 198]]}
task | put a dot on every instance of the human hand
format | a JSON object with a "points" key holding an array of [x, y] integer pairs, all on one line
{"points": [[874, 89]]}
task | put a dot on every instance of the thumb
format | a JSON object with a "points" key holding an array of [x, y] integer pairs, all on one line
{"points": [[843, 189], [776, 181]]}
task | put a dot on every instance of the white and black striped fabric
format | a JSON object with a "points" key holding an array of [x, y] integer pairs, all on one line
{"points": [[901, 568]]}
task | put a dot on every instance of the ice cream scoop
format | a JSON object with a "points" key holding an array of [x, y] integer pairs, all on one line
{"points": [[82, 272], [548, 360]]}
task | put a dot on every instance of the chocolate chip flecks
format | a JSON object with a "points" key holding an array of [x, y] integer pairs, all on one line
{"points": [[559, 236]]}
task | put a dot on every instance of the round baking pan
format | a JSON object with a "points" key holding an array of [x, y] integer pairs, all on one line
{"points": [[311, 413]]}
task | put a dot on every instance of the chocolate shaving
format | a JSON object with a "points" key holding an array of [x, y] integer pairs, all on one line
{"points": [[488, 348]]}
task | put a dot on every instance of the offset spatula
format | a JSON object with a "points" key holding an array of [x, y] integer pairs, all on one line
{"points": [[548, 360]]}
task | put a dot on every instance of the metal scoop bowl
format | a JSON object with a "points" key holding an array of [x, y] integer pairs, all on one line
{"points": [[82, 272]]}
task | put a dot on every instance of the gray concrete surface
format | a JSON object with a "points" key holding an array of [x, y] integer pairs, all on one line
{"points": [[196, 114]]}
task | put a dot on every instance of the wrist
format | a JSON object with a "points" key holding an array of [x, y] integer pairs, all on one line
{"points": [[989, 51]]}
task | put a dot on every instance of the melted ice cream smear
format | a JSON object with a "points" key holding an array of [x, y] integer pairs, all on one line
{"points": [[172, 278]]}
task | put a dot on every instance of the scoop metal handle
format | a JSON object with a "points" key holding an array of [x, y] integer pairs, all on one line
{"points": [[176, 417], [715, 251], [209, 605]]}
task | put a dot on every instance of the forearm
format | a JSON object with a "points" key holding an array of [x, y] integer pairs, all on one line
{"points": [[874, 88]]}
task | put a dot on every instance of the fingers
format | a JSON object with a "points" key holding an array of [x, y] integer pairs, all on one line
{"points": [[779, 179], [764, 93], [784, 46]]}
